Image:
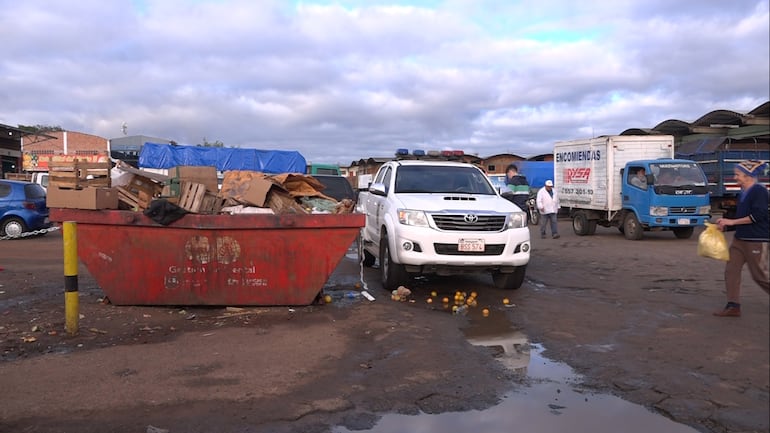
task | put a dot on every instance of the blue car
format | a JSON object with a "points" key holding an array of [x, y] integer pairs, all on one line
{"points": [[22, 208]]}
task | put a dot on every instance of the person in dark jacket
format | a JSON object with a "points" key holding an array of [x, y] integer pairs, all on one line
{"points": [[752, 236], [518, 185]]}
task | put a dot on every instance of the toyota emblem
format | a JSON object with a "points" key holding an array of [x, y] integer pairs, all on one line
{"points": [[471, 218]]}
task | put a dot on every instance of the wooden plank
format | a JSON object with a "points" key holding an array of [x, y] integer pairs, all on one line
{"points": [[125, 196]]}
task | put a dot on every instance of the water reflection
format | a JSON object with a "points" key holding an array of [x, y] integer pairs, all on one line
{"points": [[512, 349], [550, 402]]}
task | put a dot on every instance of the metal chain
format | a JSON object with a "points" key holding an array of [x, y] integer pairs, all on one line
{"points": [[32, 233]]}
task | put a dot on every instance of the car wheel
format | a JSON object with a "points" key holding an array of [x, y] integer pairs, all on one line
{"points": [[631, 227], [683, 232], [392, 274], [13, 227], [512, 280], [364, 257]]}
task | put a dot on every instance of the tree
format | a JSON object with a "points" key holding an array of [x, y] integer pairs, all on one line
{"points": [[41, 129], [207, 143]]}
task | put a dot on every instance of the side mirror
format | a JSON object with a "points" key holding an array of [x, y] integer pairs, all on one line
{"points": [[377, 189], [650, 179]]}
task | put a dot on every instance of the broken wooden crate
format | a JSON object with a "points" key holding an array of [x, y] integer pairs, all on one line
{"points": [[139, 192], [195, 198], [79, 174]]}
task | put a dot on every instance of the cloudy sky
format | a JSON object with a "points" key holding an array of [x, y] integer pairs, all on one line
{"points": [[348, 79]]}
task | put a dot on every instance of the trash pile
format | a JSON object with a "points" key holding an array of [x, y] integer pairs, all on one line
{"points": [[189, 189]]}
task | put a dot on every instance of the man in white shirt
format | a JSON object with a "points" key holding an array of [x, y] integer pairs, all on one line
{"points": [[548, 204]]}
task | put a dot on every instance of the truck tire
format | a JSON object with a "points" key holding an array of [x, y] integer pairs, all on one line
{"points": [[591, 227], [580, 224], [391, 274], [12, 227], [631, 227], [683, 232], [510, 281], [364, 257]]}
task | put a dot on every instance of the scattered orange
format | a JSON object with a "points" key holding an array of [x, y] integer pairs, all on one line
{"points": [[485, 312], [506, 301]]}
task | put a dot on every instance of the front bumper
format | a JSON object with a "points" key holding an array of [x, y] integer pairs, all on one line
{"points": [[674, 221], [434, 249]]}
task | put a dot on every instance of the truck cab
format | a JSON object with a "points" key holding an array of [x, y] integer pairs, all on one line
{"points": [[666, 194]]}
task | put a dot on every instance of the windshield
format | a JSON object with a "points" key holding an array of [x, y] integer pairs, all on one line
{"points": [[441, 179], [678, 174]]}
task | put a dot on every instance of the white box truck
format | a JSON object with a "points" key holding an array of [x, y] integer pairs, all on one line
{"points": [[630, 182]]}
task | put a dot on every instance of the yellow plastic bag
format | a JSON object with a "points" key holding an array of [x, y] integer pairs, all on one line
{"points": [[712, 243]]}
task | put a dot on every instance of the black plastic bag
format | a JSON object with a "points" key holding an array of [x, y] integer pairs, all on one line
{"points": [[163, 212]]}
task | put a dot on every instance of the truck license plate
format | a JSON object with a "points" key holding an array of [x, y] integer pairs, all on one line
{"points": [[470, 245], [683, 221]]}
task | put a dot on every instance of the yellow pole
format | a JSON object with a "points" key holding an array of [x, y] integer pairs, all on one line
{"points": [[71, 302]]}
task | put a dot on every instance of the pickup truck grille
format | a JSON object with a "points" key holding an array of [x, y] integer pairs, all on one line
{"points": [[681, 210], [451, 250], [462, 222]]}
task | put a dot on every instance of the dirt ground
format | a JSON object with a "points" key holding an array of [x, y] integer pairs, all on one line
{"points": [[633, 317]]}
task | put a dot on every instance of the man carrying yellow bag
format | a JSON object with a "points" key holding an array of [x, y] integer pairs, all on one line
{"points": [[752, 236]]}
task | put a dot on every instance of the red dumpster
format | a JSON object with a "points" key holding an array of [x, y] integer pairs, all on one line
{"points": [[211, 259]]}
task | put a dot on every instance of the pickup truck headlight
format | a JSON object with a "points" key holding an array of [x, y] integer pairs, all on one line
{"points": [[704, 210], [517, 220], [658, 211], [412, 217]]}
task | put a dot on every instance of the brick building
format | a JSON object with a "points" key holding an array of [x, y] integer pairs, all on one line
{"points": [[60, 146]]}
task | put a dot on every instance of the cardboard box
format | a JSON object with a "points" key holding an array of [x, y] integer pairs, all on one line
{"points": [[248, 187], [86, 198], [256, 192], [206, 175]]}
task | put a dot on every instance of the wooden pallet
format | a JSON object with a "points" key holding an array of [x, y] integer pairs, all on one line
{"points": [[78, 174]]}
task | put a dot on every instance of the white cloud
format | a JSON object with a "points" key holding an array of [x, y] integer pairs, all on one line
{"points": [[340, 81]]}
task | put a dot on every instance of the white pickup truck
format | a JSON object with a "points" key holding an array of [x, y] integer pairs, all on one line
{"points": [[437, 217]]}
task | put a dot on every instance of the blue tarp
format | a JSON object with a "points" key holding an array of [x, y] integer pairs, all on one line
{"points": [[155, 155], [537, 172]]}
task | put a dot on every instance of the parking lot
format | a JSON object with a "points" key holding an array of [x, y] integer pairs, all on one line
{"points": [[634, 318]]}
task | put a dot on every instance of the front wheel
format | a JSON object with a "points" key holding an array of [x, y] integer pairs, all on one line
{"points": [[512, 280], [392, 274], [683, 232], [631, 227], [534, 216]]}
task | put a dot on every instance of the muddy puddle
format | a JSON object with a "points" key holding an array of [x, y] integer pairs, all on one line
{"points": [[547, 398]]}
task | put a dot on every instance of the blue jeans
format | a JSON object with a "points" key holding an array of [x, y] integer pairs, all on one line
{"points": [[546, 217]]}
